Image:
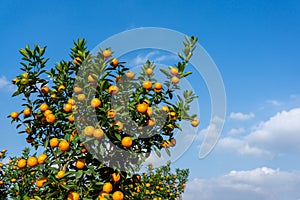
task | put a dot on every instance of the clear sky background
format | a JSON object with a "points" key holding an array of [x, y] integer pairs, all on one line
{"points": [[255, 45]]}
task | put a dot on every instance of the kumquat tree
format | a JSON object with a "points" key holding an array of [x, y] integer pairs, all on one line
{"points": [[91, 123]]}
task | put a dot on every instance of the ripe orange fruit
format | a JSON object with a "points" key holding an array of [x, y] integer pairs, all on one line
{"points": [[114, 62], [149, 111], [106, 53], [32, 161], [27, 112], [81, 97], [120, 125], [149, 71], [47, 112], [126, 141], [1, 182], [142, 107], [3, 151], [44, 107], [174, 71], [113, 89], [98, 133], [147, 85], [157, 87], [165, 109], [91, 79], [111, 113], [173, 116], [77, 61], [77, 89], [54, 142], [45, 90], [151, 122], [107, 187], [22, 163], [14, 115], [80, 163], [89, 130], [42, 158], [61, 87], [60, 174], [95, 103], [64, 145], [71, 101], [73, 196], [195, 122], [130, 75], [41, 181], [115, 177], [13, 180], [118, 195], [102, 195], [68, 107], [50, 118], [175, 80], [71, 118]]}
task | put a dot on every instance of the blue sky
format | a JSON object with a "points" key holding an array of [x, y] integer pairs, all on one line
{"points": [[254, 44]]}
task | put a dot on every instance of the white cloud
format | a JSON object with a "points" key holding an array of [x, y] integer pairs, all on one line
{"points": [[259, 184], [278, 135], [5, 84], [274, 102], [241, 116], [236, 131], [152, 56]]}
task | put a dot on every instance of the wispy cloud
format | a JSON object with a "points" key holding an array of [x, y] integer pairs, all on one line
{"points": [[155, 56], [274, 102], [241, 116], [260, 183], [6, 85], [236, 131]]}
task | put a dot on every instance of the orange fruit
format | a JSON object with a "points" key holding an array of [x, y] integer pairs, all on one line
{"points": [[61, 87], [53, 97], [64, 145], [73, 196], [111, 113], [102, 195], [50, 118], [95, 103], [130, 75], [71, 101], [175, 80], [147, 85], [91, 79], [44, 107], [1, 182], [89, 130], [13, 180], [47, 112], [106, 53], [22, 163], [14, 115], [149, 111], [151, 122], [68, 107], [42, 158], [54, 142], [32, 161], [114, 62], [77, 89], [157, 87], [81, 97], [115, 177], [195, 122], [107, 187], [173, 116], [80, 163], [120, 125], [45, 90], [117, 195], [126, 142], [173, 71], [15, 80], [98, 133], [77, 61], [117, 79], [113, 89], [3, 151], [142, 107], [27, 112], [149, 71], [71, 118], [165, 109], [40, 182], [60, 174]]}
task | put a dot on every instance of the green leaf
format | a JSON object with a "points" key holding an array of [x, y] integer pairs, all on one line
{"points": [[78, 174], [23, 52]]}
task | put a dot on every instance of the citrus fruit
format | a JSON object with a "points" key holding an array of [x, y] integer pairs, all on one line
{"points": [[61, 87], [106, 53], [142, 107], [174, 71], [149, 71], [120, 125], [114, 62], [50, 118], [195, 122], [107, 187], [45, 90], [111, 114], [126, 141], [81, 97], [77, 89], [68, 107], [89, 130], [77, 61], [22, 163], [64, 145], [54, 142], [27, 112], [42, 158], [60, 174], [98, 133], [147, 85], [32, 161], [175, 80], [130, 75], [80, 163], [14, 115], [95, 103], [115, 177], [113, 89], [44, 107], [41, 181], [157, 87], [117, 195]]}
